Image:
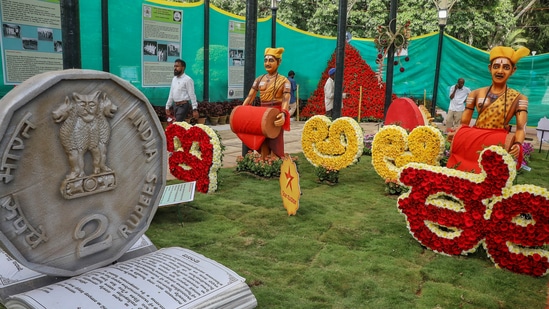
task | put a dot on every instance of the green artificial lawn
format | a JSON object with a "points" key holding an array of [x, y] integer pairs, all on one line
{"points": [[347, 247]]}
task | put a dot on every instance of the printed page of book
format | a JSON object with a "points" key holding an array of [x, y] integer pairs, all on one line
{"points": [[15, 278], [167, 278]]}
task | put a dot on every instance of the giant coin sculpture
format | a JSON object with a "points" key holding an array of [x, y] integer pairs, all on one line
{"points": [[83, 167]]}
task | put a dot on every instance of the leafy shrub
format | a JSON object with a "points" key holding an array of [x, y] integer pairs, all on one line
{"points": [[368, 138], [327, 175], [254, 164], [215, 109], [393, 188]]}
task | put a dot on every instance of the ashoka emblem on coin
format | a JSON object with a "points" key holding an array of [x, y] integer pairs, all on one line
{"points": [[82, 172]]}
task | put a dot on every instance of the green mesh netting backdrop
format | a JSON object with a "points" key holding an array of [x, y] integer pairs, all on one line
{"points": [[307, 54]]}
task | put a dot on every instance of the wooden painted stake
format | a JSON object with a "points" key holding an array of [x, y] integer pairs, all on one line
{"points": [[359, 105], [297, 102]]}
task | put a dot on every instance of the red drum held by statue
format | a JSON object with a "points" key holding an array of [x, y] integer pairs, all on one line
{"points": [[252, 124], [405, 113]]}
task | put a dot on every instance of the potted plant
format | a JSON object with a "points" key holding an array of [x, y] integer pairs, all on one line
{"points": [[234, 104], [161, 113], [202, 109], [227, 108], [215, 110]]}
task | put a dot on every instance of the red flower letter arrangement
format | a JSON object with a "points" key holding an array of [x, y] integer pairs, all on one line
{"points": [[453, 212], [195, 154]]}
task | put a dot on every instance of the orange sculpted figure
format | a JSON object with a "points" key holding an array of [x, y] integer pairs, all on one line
{"points": [[274, 91], [496, 106]]}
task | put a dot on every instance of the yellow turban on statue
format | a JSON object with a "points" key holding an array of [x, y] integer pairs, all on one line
{"points": [[509, 53], [275, 52]]}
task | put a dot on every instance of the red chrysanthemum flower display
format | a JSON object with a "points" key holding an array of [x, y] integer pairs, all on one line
{"points": [[356, 73], [453, 212]]}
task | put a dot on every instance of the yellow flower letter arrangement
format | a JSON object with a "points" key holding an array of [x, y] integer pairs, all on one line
{"points": [[453, 212], [195, 154], [392, 148], [333, 145]]}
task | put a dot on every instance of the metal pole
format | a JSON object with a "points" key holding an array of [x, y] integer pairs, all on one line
{"points": [[437, 71], [250, 47], [274, 8], [340, 58], [390, 59], [206, 91], [70, 29], [105, 35]]}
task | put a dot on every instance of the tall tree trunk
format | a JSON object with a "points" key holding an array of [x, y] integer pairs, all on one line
{"points": [[527, 8]]}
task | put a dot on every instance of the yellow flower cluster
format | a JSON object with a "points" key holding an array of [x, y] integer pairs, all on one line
{"points": [[217, 156], [389, 143], [426, 143], [446, 200], [427, 117], [332, 145], [393, 148], [448, 233]]}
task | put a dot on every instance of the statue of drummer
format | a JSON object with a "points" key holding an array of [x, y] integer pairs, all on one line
{"points": [[496, 105], [274, 91]]}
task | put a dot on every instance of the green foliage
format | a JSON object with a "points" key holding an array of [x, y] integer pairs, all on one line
{"points": [[446, 154], [215, 109], [482, 24], [515, 39], [202, 109], [393, 188], [538, 173], [368, 139], [327, 175], [218, 58], [532, 21], [254, 164], [347, 246]]}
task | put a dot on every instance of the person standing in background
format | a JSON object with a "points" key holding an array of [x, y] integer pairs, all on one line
{"points": [[458, 95], [182, 97], [293, 105], [329, 88]]}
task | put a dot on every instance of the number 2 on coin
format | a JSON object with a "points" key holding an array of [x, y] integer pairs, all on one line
{"points": [[85, 247]]}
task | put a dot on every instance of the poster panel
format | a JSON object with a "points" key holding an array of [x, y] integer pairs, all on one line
{"points": [[237, 31], [31, 38], [162, 32]]}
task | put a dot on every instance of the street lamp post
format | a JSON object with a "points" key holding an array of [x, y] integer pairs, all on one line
{"points": [[532, 72], [274, 8], [443, 7], [533, 54], [390, 58]]}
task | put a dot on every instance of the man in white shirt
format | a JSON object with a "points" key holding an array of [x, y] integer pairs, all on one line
{"points": [[458, 95], [182, 96], [329, 88]]}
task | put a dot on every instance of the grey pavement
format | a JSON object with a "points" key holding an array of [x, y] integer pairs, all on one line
{"points": [[292, 140]]}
